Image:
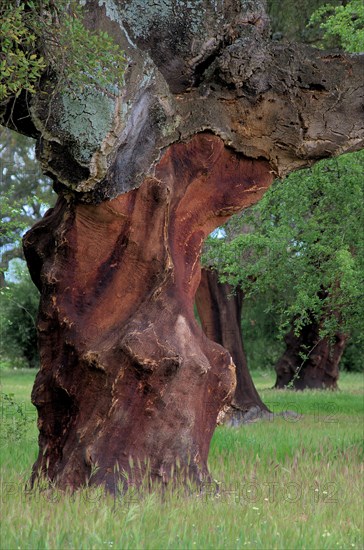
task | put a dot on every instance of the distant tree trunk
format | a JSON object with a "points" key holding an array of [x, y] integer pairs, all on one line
{"points": [[320, 368], [220, 309], [208, 111]]}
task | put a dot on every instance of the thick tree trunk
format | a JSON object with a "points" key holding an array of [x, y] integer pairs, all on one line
{"points": [[220, 309], [208, 110], [127, 374], [320, 368]]}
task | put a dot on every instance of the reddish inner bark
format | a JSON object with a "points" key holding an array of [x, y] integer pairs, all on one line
{"points": [[220, 308], [320, 369], [127, 376]]}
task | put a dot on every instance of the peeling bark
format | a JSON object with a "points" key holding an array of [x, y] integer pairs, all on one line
{"points": [[320, 369], [220, 309], [127, 374]]}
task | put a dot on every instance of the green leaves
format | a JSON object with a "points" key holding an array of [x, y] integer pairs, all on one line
{"points": [[41, 34], [20, 66], [80, 56], [18, 313], [25, 193], [302, 246], [343, 24]]}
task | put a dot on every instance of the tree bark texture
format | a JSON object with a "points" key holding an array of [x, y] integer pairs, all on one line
{"points": [[207, 112], [320, 368], [127, 374], [192, 67], [220, 309]]}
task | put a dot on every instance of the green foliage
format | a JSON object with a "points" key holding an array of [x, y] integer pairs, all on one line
{"points": [[304, 247], [353, 357], [43, 34], [25, 193], [11, 225], [20, 65], [289, 20], [342, 24], [14, 422], [18, 312], [262, 343]]}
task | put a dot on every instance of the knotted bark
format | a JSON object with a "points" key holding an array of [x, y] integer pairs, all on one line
{"points": [[127, 376], [220, 307]]}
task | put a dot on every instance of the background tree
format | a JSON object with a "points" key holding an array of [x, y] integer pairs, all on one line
{"points": [[305, 254], [26, 194], [207, 110], [342, 25], [219, 308], [19, 302]]}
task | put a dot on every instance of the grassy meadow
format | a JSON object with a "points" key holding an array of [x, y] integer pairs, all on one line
{"points": [[290, 483]]}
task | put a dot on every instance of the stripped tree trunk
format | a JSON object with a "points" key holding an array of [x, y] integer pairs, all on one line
{"points": [[127, 373], [208, 111], [310, 361], [220, 308]]}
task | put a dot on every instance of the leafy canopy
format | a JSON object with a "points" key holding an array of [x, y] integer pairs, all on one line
{"points": [[39, 35], [25, 194], [18, 313], [303, 245], [342, 24]]}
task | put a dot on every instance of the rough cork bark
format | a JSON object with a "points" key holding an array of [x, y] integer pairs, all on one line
{"points": [[320, 368], [220, 309], [208, 111]]}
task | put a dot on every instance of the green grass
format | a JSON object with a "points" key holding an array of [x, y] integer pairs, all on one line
{"points": [[286, 483]]}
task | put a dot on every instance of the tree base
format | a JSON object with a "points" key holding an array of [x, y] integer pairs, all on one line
{"points": [[235, 417], [320, 370]]}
